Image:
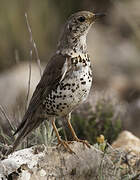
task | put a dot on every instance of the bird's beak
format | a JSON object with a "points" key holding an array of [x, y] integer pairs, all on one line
{"points": [[95, 16], [98, 15]]}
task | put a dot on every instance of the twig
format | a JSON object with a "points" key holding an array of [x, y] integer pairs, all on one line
{"points": [[29, 82], [30, 69], [33, 47], [6, 116], [33, 44]]}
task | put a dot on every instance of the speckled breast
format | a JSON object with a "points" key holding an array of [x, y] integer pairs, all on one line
{"points": [[72, 91]]}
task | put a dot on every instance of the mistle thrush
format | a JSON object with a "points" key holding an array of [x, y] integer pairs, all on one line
{"points": [[66, 80]]}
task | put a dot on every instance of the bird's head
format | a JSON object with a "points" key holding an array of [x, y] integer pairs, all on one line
{"points": [[76, 29], [79, 23]]}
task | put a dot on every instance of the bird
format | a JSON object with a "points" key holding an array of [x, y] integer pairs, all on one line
{"points": [[65, 83]]}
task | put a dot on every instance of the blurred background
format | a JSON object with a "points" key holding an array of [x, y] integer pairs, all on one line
{"points": [[113, 45]]}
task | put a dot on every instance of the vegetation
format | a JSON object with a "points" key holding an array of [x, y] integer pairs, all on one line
{"points": [[101, 121]]}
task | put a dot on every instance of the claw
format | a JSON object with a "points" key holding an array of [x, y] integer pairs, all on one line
{"points": [[74, 134], [65, 144], [83, 141]]}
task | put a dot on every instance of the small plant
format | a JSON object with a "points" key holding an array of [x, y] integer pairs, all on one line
{"points": [[44, 134], [116, 165], [102, 143]]}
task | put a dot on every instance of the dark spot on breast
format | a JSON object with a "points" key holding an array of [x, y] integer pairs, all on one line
{"points": [[55, 91], [75, 41], [73, 90], [54, 97], [84, 82], [84, 61], [74, 50], [77, 86], [47, 109], [88, 59], [80, 59], [81, 79], [47, 105], [57, 106], [73, 84], [90, 74], [66, 85], [74, 60], [46, 102]]}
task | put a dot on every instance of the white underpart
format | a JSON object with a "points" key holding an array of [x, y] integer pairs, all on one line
{"points": [[79, 95], [83, 39]]}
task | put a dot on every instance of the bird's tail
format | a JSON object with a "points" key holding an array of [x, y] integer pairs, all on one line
{"points": [[24, 129]]}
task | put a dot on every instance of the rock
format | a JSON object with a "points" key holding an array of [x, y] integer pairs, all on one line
{"points": [[130, 155], [55, 163], [51, 163], [128, 142]]}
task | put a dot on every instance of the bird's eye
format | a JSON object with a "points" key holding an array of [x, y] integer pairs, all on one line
{"points": [[81, 19]]}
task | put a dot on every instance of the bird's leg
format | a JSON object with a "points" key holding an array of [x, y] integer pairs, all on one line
{"points": [[60, 141], [74, 134]]}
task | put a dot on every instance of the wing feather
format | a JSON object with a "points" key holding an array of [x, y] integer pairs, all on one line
{"points": [[54, 72]]}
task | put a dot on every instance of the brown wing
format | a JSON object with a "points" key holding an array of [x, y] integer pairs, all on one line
{"points": [[53, 73]]}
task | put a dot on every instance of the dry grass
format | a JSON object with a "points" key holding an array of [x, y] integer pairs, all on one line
{"points": [[117, 164]]}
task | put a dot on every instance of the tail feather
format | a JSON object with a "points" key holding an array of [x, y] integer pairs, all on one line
{"points": [[28, 126], [20, 127], [18, 140]]}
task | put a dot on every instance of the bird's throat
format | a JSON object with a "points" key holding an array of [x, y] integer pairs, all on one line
{"points": [[75, 44]]}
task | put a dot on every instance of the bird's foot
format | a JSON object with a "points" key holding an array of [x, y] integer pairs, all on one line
{"points": [[65, 144], [83, 141], [70, 142]]}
